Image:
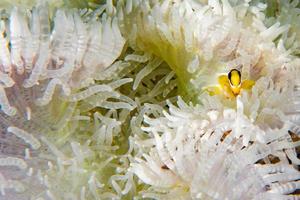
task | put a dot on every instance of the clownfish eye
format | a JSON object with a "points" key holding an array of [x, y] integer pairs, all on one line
{"points": [[234, 77]]}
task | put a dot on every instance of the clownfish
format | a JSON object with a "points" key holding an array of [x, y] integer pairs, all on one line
{"points": [[230, 85]]}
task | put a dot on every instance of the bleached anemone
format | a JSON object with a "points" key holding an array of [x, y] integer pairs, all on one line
{"points": [[222, 149], [87, 102], [48, 90], [285, 12], [197, 153], [200, 41]]}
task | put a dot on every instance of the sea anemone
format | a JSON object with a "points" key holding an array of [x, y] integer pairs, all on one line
{"points": [[109, 100]]}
